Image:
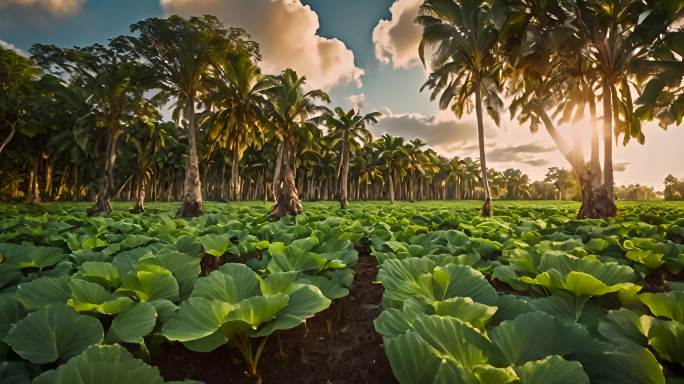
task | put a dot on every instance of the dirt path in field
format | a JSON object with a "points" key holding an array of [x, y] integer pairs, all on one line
{"points": [[338, 346]]}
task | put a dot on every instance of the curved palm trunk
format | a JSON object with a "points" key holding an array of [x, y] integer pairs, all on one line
{"points": [[597, 202], [286, 196], [13, 131], [278, 166], [487, 206], [344, 177], [191, 205]]}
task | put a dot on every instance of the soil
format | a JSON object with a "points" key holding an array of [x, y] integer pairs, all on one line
{"points": [[339, 345], [656, 280], [502, 287]]}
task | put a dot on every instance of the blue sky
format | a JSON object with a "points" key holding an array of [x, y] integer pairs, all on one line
{"points": [[362, 51]]}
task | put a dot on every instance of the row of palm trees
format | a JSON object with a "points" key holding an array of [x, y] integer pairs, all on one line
{"points": [[674, 188], [100, 105], [550, 58], [151, 155], [555, 60]]}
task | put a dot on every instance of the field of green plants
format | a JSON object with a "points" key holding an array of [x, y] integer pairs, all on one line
{"points": [[532, 296]]}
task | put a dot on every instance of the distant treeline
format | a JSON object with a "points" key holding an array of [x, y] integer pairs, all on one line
{"points": [[674, 188]]}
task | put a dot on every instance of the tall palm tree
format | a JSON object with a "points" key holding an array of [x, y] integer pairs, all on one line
{"points": [[617, 37], [147, 139], [517, 184], [464, 35], [368, 169], [547, 73], [181, 51], [392, 156], [349, 130], [431, 168], [17, 77], [292, 111], [470, 176], [563, 52], [237, 96], [116, 87], [415, 164], [497, 181]]}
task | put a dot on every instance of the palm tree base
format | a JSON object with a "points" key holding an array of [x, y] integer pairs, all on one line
{"points": [[190, 209], [139, 208], [597, 203], [287, 200], [102, 207], [487, 208]]}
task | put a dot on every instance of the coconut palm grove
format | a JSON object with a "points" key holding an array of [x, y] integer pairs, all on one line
{"points": [[306, 191]]}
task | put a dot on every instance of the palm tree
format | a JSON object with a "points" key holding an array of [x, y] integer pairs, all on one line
{"points": [[562, 53], [237, 96], [470, 176], [17, 76], [366, 166], [497, 181], [546, 72], [415, 164], [563, 180], [517, 184], [147, 140], [464, 35], [181, 51], [116, 87], [292, 111], [392, 156], [349, 130], [431, 168], [618, 36]]}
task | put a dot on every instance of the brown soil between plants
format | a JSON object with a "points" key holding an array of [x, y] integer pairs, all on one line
{"points": [[339, 345]]}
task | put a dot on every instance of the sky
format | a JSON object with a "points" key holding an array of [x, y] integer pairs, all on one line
{"points": [[363, 52]]}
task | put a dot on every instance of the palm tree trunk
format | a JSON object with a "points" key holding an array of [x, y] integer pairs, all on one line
{"points": [[487, 207], [410, 186], [234, 177], [390, 182], [594, 132], [276, 174], [33, 188], [13, 131], [286, 197], [607, 137], [140, 198], [596, 201], [344, 177], [222, 184], [191, 206], [102, 200], [49, 171]]}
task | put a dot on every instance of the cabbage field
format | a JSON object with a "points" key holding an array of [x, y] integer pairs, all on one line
{"points": [[425, 292]]}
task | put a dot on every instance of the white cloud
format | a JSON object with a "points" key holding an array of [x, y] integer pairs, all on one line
{"points": [[6, 45], [532, 153], [356, 101], [446, 135], [286, 31], [58, 7], [396, 40]]}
